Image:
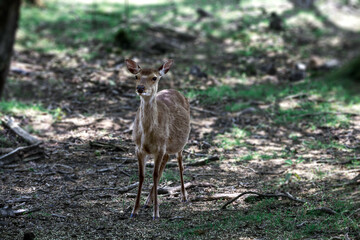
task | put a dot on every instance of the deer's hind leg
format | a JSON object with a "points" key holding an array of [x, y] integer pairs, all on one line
{"points": [[181, 168]]}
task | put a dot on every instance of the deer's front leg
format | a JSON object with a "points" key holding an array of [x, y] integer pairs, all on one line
{"points": [[150, 198], [156, 176], [141, 163]]}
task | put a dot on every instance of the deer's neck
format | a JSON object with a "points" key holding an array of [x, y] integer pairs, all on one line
{"points": [[148, 114]]}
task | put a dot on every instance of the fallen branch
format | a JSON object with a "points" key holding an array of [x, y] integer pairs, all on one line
{"points": [[195, 154], [126, 160], [15, 154], [60, 168], [19, 200], [203, 162], [326, 210], [267, 195], [128, 188], [13, 126], [110, 146], [173, 190], [10, 212], [58, 215], [204, 110], [26, 211], [123, 172], [120, 190], [298, 95]]}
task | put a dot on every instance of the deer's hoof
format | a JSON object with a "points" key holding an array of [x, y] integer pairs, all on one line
{"points": [[133, 215], [156, 218]]}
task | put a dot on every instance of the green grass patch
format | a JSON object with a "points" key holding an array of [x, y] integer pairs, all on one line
{"points": [[234, 107], [318, 113], [170, 175], [16, 107], [274, 220], [317, 145], [335, 98], [77, 27], [4, 142], [268, 156], [68, 27], [218, 94], [291, 162], [247, 157], [233, 138]]}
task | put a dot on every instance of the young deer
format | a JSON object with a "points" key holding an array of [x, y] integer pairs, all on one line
{"points": [[161, 127]]}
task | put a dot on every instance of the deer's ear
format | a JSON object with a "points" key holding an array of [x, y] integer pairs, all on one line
{"points": [[165, 67], [132, 66]]}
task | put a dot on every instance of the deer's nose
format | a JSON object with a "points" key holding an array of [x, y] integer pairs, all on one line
{"points": [[140, 88]]}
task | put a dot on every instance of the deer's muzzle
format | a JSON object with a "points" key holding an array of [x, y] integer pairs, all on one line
{"points": [[140, 88]]}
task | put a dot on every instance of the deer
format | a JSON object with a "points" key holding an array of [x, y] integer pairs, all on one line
{"points": [[161, 127]]}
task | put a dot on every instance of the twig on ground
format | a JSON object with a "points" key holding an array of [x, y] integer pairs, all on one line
{"points": [[285, 195], [195, 154], [218, 196], [26, 211], [326, 210], [20, 200], [203, 162], [126, 160], [110, 146], [334, 162], [298, 95], [58, 215], [262, 172], [13, 126], [172, 190], [10, 212], [123, 172], [200, 162], [268, 195], [325, 113], [57, 167], [204, 111], [120, 190], [253, 170], [128, 188]]}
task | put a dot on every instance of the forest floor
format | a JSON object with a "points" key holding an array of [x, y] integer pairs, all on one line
{"points": [[265, 106]]}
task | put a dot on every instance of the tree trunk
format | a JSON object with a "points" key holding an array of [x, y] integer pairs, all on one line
{"points": [[9, 15]]}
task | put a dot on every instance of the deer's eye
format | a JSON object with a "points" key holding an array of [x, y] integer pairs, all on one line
{"points": [[154, 78], [136, 77]]}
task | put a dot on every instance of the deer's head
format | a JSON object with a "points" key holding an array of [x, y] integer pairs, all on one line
{"points": [[147, 79]]}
